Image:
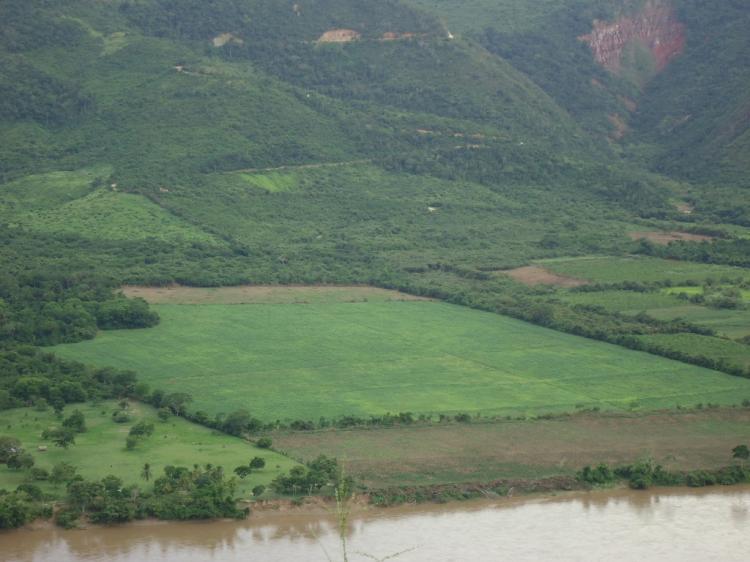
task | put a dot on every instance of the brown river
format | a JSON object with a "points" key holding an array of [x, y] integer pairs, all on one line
{"points": [[680, 525]]}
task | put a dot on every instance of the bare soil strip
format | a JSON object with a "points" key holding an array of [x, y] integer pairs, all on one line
{"points": [[534, 275], [265, 294], [664, 238], [525, 449]]}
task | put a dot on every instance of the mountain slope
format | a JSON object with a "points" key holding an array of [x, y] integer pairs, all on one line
{"points": [[652, 73]]}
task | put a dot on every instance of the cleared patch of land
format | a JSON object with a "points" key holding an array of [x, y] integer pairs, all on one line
{"points": [[534, 275], [664, 238], [101, 449], [331, 359], [266, 294], [526, 449]]}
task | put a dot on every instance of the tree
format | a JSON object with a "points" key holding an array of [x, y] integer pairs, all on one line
{"points": [[264, 443], [142, 429], [75, 422], [81, 493], [62, 472], [146, 472], [9, 447], [236, 422], [741, 452], [257, 462], [243, 471], [61, 437], [14, 511], [258, 490], [21, 461], [177, 402]]}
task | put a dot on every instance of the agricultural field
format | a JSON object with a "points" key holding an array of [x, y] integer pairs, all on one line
{"points": [[304, 361], [482, 452], [611, 269], [101, 449]]}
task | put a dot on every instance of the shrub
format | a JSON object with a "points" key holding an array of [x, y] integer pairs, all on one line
{"points": [[67, 518], [120, 416], [264, 443], [39, 474]]}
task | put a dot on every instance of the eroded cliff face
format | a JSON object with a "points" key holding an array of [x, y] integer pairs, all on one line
{"points": [[654, 27]]}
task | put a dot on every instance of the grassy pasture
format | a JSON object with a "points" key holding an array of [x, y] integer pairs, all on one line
{"points": [[609, 269], [101, 449], [526, 449], [306, 361]]}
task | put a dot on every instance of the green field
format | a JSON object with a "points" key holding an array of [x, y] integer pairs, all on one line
{"points": [[101, 449], [290, 361], [608, 269]]}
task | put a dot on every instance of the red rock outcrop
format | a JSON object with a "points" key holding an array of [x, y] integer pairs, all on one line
{"points": [[656, 27]]}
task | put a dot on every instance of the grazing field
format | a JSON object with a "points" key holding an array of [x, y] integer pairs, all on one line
{"points": [[608, 269], [287, 362], [526, 449], [101, 449]]}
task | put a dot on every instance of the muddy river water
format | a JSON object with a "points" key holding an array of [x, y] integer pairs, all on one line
{"points": [[680, 525]]}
